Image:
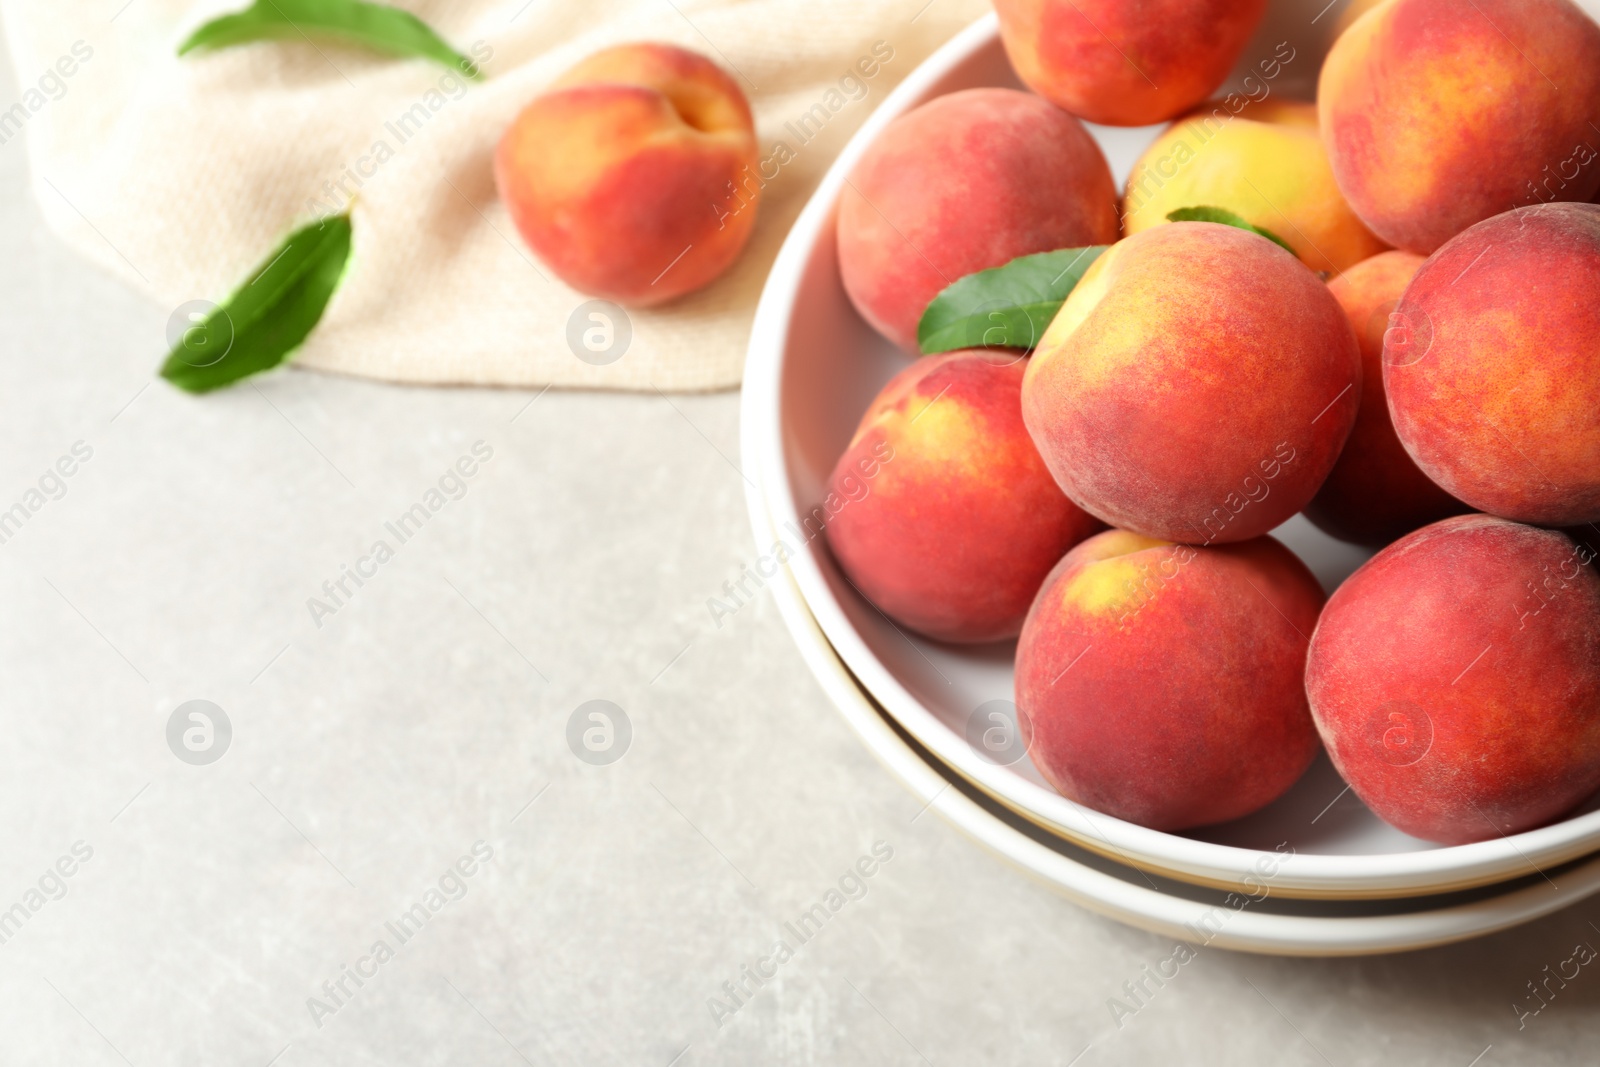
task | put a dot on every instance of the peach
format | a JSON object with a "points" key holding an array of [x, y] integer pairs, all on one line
{"points": [[621, 176], [1493, 369], [1455, 679], [1161, 683], [1376, 492], [1265, 164], [1196, 386], [1352, 11], [963, 183], [1438, 115], [943, 514], [1126, 64]]}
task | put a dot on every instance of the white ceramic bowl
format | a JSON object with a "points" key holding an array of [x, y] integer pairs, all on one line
{"points": [[1258, 921], [813, 368]]}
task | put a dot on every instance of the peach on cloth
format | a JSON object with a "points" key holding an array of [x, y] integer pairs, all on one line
{"points": [[622, 176]]}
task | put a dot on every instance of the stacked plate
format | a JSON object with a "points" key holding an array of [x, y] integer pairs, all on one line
{"points": [[1315, 873]]}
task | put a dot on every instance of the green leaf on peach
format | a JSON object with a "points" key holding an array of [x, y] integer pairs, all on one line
{"points": [[1004, 307], [1227, 218]]}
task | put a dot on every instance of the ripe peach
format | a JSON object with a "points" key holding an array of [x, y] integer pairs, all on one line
{"points": [[1352, 11], [1265, 164], [620, 177], [943, 514], [963, 183], [1455, 679], [1418, 94], [1493, 371], [1376, 492], [1196, 386], [1126, 64], [1161, 683]]}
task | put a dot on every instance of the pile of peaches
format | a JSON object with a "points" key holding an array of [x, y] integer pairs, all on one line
{"points": [[1419, 372]]}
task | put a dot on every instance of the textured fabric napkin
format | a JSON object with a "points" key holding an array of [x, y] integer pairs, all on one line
{"points": [[181, 175]]}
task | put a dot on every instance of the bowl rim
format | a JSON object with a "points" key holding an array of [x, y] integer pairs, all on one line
{"points": [[1383, 875]]}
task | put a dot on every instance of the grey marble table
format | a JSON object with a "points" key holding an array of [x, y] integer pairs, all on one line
{"points": [[399, 768]]}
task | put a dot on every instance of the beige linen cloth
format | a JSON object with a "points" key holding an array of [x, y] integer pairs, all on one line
{"points": [[181, 175]]}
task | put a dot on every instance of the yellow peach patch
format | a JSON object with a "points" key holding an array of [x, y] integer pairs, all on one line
{"points": [[1101, 588], [944, 431], [1266, 164]]}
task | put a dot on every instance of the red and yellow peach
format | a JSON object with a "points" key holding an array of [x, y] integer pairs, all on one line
{"points": [[1375, 492], [622, 176], [1162, 683], [1126, 64], [1438, 115], [966, 182], [1197, 385], [947, 518], [1455, 679], [1265, 164], [1493, 368]]}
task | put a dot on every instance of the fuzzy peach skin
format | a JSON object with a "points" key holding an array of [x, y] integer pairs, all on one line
{"points": [[945, 515], [1126, 64], [1196, 386], [1161, 683], [628, 176], [963, 183], [1455, 679], [1375, 492], [1266, 164], [1493, 371], [1439, 114]]}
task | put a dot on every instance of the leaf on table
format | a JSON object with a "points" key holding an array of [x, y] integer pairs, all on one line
{"points": [[1004, 307], [257, 327], [1226, 218], [377, 26]]}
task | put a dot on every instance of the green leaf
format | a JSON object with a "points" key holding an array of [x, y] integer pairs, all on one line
{"points": [[257, 327], [377, 26], [1004, 307], [1227, 218]]}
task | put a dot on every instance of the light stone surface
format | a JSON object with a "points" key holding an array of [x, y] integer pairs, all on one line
{"points": [[430, 713]]}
